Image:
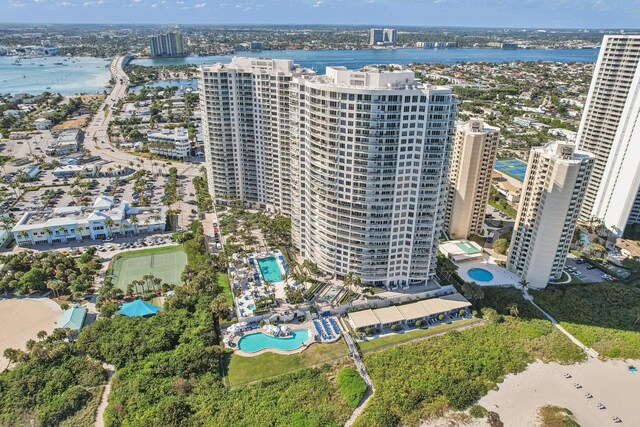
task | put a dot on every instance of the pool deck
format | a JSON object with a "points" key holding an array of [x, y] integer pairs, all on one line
{"points": [[310, 341], [501, 276]]}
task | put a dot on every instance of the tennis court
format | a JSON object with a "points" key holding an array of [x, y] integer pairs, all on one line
{"points": [[512, 167], [167, 264]]}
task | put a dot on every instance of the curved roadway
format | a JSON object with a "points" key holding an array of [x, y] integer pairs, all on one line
{"points": [[96, 139]]}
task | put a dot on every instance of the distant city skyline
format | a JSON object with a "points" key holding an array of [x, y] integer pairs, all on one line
{"points": [[592, 14]]}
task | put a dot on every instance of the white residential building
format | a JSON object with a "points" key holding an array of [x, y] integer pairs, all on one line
{"points": [[67, 142], [170, 143], [357, 158], [472, 160], [75, 223], [609, 130], [246, 132], [553, 192]]}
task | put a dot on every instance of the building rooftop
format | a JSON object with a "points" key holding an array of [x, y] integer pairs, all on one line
{"points": [[73, 318]]}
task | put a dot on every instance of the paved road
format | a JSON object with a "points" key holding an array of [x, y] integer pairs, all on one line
{"points": [[96, 139]]}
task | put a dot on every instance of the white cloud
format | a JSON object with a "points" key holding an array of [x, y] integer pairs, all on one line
{"points": [[93, 3], [317, 3]]}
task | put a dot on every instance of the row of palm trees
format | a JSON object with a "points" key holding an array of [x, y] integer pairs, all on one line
{"points": [[148, 283]]}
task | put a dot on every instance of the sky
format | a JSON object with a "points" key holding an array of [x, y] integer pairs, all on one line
{"points": [[473, 13]]}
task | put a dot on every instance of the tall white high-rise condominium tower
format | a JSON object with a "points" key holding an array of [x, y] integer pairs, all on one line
{"points": [[247, 131], [367, 160], [472, 159], [610, 129], [553, 191]]}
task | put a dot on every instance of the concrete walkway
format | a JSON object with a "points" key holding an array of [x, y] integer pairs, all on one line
{"points": [[362, 370], [105, 395], [589, 351]]}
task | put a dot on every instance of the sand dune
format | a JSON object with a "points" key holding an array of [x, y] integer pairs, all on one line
{"points": [[22, 318]]}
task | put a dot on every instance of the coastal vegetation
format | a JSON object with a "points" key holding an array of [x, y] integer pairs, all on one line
{"points": [[604, 316], [454, 370], [351, 385], [27, 272], [52, 384]]}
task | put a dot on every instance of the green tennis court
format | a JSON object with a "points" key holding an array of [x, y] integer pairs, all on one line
{"points": [[164, 263]]}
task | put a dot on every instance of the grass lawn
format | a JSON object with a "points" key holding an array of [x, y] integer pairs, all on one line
{"points": [[603, 316], [395, 339], [504, 208], [223, 284], [167, 263], [243, 370]]}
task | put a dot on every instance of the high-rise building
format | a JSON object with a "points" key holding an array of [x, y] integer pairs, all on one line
{"points": [[247, 131], [472, 159], [169, 45], [390, 36], [376, 35], [609, 130], [554, 188], [357, 158], [386, 36]]}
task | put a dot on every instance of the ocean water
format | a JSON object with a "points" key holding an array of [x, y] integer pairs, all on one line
{"points": [[90, 75], [79, 75], [319, 59]]}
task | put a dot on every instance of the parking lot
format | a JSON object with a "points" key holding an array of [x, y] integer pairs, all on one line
{"points": [[583, 271]]}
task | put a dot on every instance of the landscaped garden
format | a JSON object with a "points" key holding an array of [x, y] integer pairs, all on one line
{"points": [[413, 334], [243, 370]]}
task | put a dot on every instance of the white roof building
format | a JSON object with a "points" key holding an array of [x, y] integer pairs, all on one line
{"points": [[170, 143], [75, 223]]}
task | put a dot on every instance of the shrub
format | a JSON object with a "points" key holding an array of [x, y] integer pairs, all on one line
{"points": [[394, 328], [352, 386], [501, 246], [418, 323], [478, 411]]}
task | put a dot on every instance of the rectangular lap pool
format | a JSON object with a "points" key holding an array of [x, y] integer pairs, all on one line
{"points": [[269, 269]]}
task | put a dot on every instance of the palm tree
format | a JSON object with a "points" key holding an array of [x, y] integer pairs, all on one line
{"points": [[47, 230], [22, 234], [525, 284], [134, 221], [108, 223]]}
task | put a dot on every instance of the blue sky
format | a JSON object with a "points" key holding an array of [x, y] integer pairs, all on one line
{"points": [[481, 13]]}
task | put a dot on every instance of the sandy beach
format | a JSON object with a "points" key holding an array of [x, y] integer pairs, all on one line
{"points": [[22, 319], [519, 396]]}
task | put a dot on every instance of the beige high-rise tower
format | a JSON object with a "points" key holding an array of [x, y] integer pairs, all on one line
{"points": [[472, 159], [553, 192]]}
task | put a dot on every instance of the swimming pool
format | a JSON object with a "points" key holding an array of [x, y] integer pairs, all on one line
{"points": [[269, 269], [480, 274], [259, 341]]}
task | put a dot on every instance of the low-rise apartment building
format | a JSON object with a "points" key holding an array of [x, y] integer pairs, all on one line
{"points": [[170, 143], [100, 221]]}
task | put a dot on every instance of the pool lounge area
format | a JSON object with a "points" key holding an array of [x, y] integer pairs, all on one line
{"points": [[486, 272], [257, 341]]}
